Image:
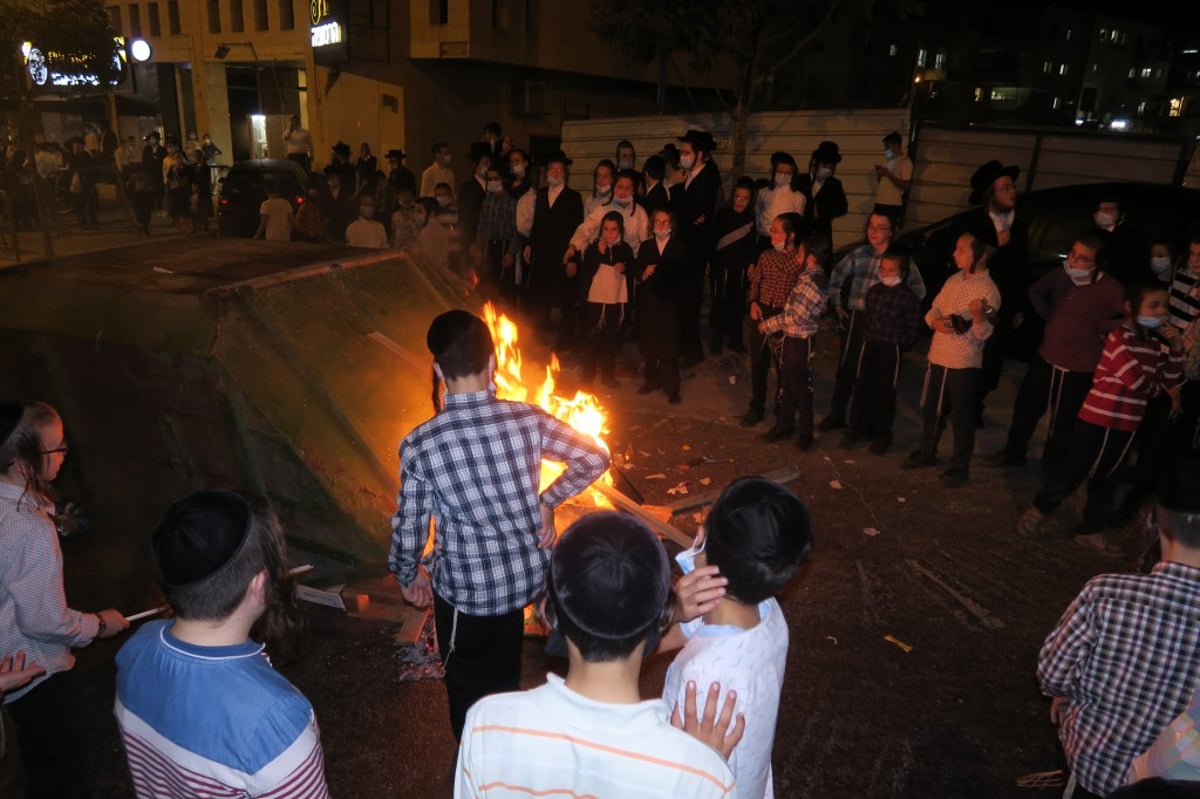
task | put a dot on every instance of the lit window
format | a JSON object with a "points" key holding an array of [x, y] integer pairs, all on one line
{"points": [[891, 49], [1146, 72], [1112, 37], [1062, 69], [1056, 103], [978, 94], [1103, 34], [1047, 66], [922, 57], [1068, 34], [1142, 108], [1158, 72], [1095, 67], [1132, 72], [1176, 107]]}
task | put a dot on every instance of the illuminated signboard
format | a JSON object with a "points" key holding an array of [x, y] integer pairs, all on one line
{"points": [[328, 31], [69, 70]]}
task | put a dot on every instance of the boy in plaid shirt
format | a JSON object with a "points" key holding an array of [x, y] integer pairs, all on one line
{"points": [[893, 321], [798, 322], [474, 470]]}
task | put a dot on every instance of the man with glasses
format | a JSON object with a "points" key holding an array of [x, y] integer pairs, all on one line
{"points": [[861, 269], [1081, 304]]}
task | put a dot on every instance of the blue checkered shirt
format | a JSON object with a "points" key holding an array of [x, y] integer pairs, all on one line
{"points": [[474, 469], [861, 268], [1126, 654]]}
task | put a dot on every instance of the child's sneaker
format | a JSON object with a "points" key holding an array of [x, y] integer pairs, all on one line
{"points": [[1030, 523]]}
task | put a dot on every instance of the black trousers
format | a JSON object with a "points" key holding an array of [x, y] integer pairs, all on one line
{"points": [[728, 306], [1047, 388], [874, 410], [482, 656], [692, 302], [796, 386], [847, 372], [1159, 440], [50, 730], [995, 350], [761, 360], [601, 339], [1096, 455], [660, 341], [949, 394]]}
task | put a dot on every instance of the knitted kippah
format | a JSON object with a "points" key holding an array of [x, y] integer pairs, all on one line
{"points": [[198, 536], [610, 575]]}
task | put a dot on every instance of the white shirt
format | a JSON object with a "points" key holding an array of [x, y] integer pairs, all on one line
{"points": [[596, 201], [366, 233], [551, 741], [773, 201], [278, 212], [751, 662], [637, 225], [434, 174], [1002, 222], [297, 141], [525, 209], [965, 350], [889, 193]]}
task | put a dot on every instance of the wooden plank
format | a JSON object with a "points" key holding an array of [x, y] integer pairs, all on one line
{"points": [[626, 504]]}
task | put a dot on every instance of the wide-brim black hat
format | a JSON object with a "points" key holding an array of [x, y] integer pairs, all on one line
{"points": [[700, 139], [397, 154], [557, 157], [341, 148], [988, 174], [827, 153]]}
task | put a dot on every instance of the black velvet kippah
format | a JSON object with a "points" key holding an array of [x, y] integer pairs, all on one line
{"points": [[1180, 487], [448, 328], [199, 535], [10, 418], [610, 575]]}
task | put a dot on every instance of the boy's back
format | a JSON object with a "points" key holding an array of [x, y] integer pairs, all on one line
{"points": [[278, 212], [751, 662], [551, 741]]}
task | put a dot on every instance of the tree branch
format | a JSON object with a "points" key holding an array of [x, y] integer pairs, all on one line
{"points": [[799, 47]]}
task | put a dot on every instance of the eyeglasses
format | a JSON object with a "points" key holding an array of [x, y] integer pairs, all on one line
{"points": [[61, 448], [1080, 259]]}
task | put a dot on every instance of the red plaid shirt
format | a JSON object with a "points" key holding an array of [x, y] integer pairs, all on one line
{"points": [[774, 278]]}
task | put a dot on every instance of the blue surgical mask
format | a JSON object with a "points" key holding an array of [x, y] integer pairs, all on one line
{"points": [[1078, 276], [1161, 264], [1150, 322], [687, 161], [889, 153], [782, 180], [622, 201], [625, 163], [687, 558], [824, 173]]}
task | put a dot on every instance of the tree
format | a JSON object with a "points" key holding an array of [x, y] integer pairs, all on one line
{"points": [[747, 42]]}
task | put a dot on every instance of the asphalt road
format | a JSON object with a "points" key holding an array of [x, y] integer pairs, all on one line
{"points": [[959, 715]]}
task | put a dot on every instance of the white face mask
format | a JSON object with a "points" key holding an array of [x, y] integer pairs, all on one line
{"points": [[687, 558], [517, 170], [781, 246], [494, 186], [603, 191], [687, 161], [443, 201], [662, 234], [625, 163], [1104, 220], [1161, 264], [622, 201], [782, 180], [1078, 276], [824, 173], [890, 282], [889, 153], [555, 181]]}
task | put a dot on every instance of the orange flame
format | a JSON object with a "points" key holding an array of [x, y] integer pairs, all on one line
{"points": [[582, 412]]}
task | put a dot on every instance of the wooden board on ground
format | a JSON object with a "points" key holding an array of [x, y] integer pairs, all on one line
{"points": [[380, 600]]}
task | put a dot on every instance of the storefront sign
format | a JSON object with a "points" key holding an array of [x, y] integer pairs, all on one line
{"points": [[328, 31], [69, 70], [326, 34]]}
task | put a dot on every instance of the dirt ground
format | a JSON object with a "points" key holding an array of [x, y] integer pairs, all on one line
{"points": [[959, 715]]}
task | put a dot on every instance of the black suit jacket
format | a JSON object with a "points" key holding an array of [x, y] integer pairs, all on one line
{"points": [[553, 227], [1009, 266], [470, 201], [828, 205], [695, 208], [670, 268], [656, 198]]}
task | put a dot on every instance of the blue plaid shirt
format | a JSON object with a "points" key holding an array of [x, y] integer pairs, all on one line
{"points": [[474, 468], [861, 268]]}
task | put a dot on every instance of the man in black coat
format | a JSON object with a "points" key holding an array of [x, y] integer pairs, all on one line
{"points": [[550, 286], [694, 202], [994, 189], [1128, 251], [825, 199], [655, 194], [470, 198], [400, 177], [153, 155]]}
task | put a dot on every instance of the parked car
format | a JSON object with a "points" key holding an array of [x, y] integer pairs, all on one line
{"points": [[242, 193], [1056, 216]]}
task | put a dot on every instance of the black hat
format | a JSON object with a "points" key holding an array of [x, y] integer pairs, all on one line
{"points": [[397, 154], [341, 148], [827, 153], [154, 134], [1178, 490], [610, 575], [558, 156], [479, 149], [700, 139], [199, 535], [10, 419], [988, 174], [893, 136]]}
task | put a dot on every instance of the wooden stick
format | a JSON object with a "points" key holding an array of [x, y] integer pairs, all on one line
{"points": [[145, 614], [626, 504]]}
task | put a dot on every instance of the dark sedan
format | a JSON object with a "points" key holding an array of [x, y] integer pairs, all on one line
{"points": [[243, 191]]}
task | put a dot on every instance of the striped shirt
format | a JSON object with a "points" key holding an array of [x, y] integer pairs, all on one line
{"points": [[474, 468], [801, 316], [213, 721], [861, 268], [1185, 297], [1131, 371], [961, 350], [1126, 654], [774, 278], [34, 616], [551, 741]]}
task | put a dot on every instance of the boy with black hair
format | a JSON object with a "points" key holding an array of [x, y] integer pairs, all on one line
{"points": [[893, 321], [474, 468], [758, 534], [1125, 657], [200, 709], [608, 592]]}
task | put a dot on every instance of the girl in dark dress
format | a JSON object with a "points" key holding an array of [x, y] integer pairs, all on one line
{"points": [[659, 270], [602, 275]]}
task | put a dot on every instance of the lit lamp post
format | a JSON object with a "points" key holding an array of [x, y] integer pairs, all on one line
{"points": [[923, 89]]}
